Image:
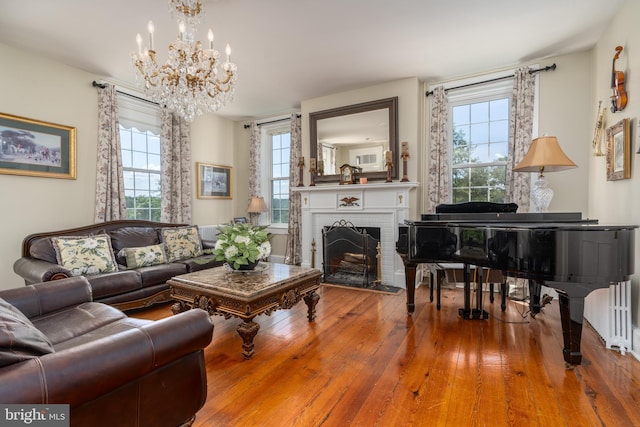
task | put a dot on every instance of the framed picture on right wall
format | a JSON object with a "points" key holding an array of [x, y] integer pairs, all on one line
{"points": [[619, 151]]}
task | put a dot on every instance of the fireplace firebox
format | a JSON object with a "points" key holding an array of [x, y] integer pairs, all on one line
{"points": [[350, 254]]}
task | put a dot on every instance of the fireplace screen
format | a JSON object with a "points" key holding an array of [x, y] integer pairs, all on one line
{"points": [[350, 253]]}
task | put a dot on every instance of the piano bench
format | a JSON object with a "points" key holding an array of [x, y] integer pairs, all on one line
{"points": [[454, 273]]}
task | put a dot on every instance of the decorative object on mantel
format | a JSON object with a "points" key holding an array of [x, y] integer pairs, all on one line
{"points": [[388, 162], [189, 83], [619, 151], [349, 174], [596, 144], [320, 167], [544, 154], [242, 246], [619, 97], [312, 171], [301, 167], [404, 154]]}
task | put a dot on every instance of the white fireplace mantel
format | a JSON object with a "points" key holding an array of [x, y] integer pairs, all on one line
{"points": [[383, 205]]}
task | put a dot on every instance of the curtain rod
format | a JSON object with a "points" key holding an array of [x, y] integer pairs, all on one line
{"points": [[547, 68], [102, 86], [273, 121]]}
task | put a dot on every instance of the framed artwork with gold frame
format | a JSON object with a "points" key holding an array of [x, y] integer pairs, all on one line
{"points": [[214, 181], [35, 148], [619, 151]]}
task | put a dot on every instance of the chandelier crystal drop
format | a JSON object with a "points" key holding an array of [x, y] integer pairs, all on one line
{"points": [[192, 81]]}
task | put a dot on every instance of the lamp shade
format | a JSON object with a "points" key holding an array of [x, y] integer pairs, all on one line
{"points": [[545, 153], [257, 205]]}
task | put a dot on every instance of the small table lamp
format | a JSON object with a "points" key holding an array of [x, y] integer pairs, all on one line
{"points": [[256, 206], [544, 154]]}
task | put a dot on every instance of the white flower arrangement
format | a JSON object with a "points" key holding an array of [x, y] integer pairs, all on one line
{"points": [[242, 244]]}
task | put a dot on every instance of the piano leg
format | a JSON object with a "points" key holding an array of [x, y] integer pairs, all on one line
{"points": [[535, 288], [431, 285], [503, 292], [572, 315], [410, 281]]}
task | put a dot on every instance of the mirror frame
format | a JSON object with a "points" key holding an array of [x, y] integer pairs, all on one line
{"points": [[390, 103]]}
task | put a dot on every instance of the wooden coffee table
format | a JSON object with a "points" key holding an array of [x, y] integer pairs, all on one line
{"points": [[228, 293]]}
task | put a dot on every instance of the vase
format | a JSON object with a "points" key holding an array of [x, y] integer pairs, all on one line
{"points": [[245, 267]]}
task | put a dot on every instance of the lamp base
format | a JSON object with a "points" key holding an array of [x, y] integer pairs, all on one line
{"points": [[541, 195]]}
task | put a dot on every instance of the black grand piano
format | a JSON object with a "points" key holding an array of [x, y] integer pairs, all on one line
{"points": [[562, 251]]}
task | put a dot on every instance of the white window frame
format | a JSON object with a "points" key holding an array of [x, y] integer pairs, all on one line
{"points": [[480, 93], [267, 129], [479, 90], [141, 115]]}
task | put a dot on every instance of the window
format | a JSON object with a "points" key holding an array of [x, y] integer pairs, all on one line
{"points": [[140, 149], [480, 140], [141, 169], [280, 146]]}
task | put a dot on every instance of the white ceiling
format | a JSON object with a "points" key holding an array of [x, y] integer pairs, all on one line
{"points": [[290, 50]]}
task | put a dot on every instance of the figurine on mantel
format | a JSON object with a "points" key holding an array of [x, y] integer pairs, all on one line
{"points": [[388, 161], [312, 171], [404, 154], [301, 167]]}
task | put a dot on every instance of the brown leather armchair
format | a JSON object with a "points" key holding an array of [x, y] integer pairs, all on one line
{"points": [[111, 369]]}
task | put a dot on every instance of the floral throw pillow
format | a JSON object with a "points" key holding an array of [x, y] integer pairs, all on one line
{"points": [[85, 255], [181, 243], [144, 256]]}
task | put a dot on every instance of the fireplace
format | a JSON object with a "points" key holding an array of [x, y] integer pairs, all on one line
{"points": [[350, 254], [382, 205]]}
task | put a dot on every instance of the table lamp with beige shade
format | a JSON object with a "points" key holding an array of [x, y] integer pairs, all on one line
{"points": [[256, 207], [544, 155]]}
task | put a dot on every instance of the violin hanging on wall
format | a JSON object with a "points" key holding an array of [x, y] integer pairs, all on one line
{"points": [[619, 97]]}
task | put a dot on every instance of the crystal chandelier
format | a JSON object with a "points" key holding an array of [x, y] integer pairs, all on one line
{"points": [[189, 83]]}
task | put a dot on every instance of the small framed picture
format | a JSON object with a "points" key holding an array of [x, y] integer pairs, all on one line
{"points": [[214, 181], [619, 151], [34, 148]]}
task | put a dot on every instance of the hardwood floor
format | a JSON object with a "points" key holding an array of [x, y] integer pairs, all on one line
{"points": [[364, 362]]}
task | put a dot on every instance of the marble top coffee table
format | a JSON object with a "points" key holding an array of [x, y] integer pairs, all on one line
{"points": [[245, 295]]}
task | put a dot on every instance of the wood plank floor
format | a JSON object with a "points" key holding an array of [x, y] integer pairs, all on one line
{"points": [[364, 362]]}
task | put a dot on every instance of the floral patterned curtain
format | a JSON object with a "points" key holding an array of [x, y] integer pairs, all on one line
{"points": [[175, 159], [110, 199], [293, 254], [439, 167], [255, 144], [520, 130]]}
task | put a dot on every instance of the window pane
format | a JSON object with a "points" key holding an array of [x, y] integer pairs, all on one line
{"points": [[461, 115], [153, 143], [480, 153], [499, 131], [460, 195], [154, 162], [479, 133], [139, 141], [499, 109], [139, 160], [480, 112], [498, 152]]}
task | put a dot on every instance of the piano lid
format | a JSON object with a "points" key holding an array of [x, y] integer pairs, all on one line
{"points": [[507, 217]]}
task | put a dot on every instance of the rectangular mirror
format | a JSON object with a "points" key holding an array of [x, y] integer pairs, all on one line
{"points": [[357, 135]]}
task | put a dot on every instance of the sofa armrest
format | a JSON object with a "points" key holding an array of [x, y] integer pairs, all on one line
{"points": [[42, 298], [83, 373], [36, 270]]}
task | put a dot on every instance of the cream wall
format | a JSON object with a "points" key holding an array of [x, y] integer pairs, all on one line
{"points": [[618, 201], [40, 89]]}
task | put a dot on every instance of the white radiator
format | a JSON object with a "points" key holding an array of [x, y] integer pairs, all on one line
{"points": [[620, 329], [208, 232]]}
